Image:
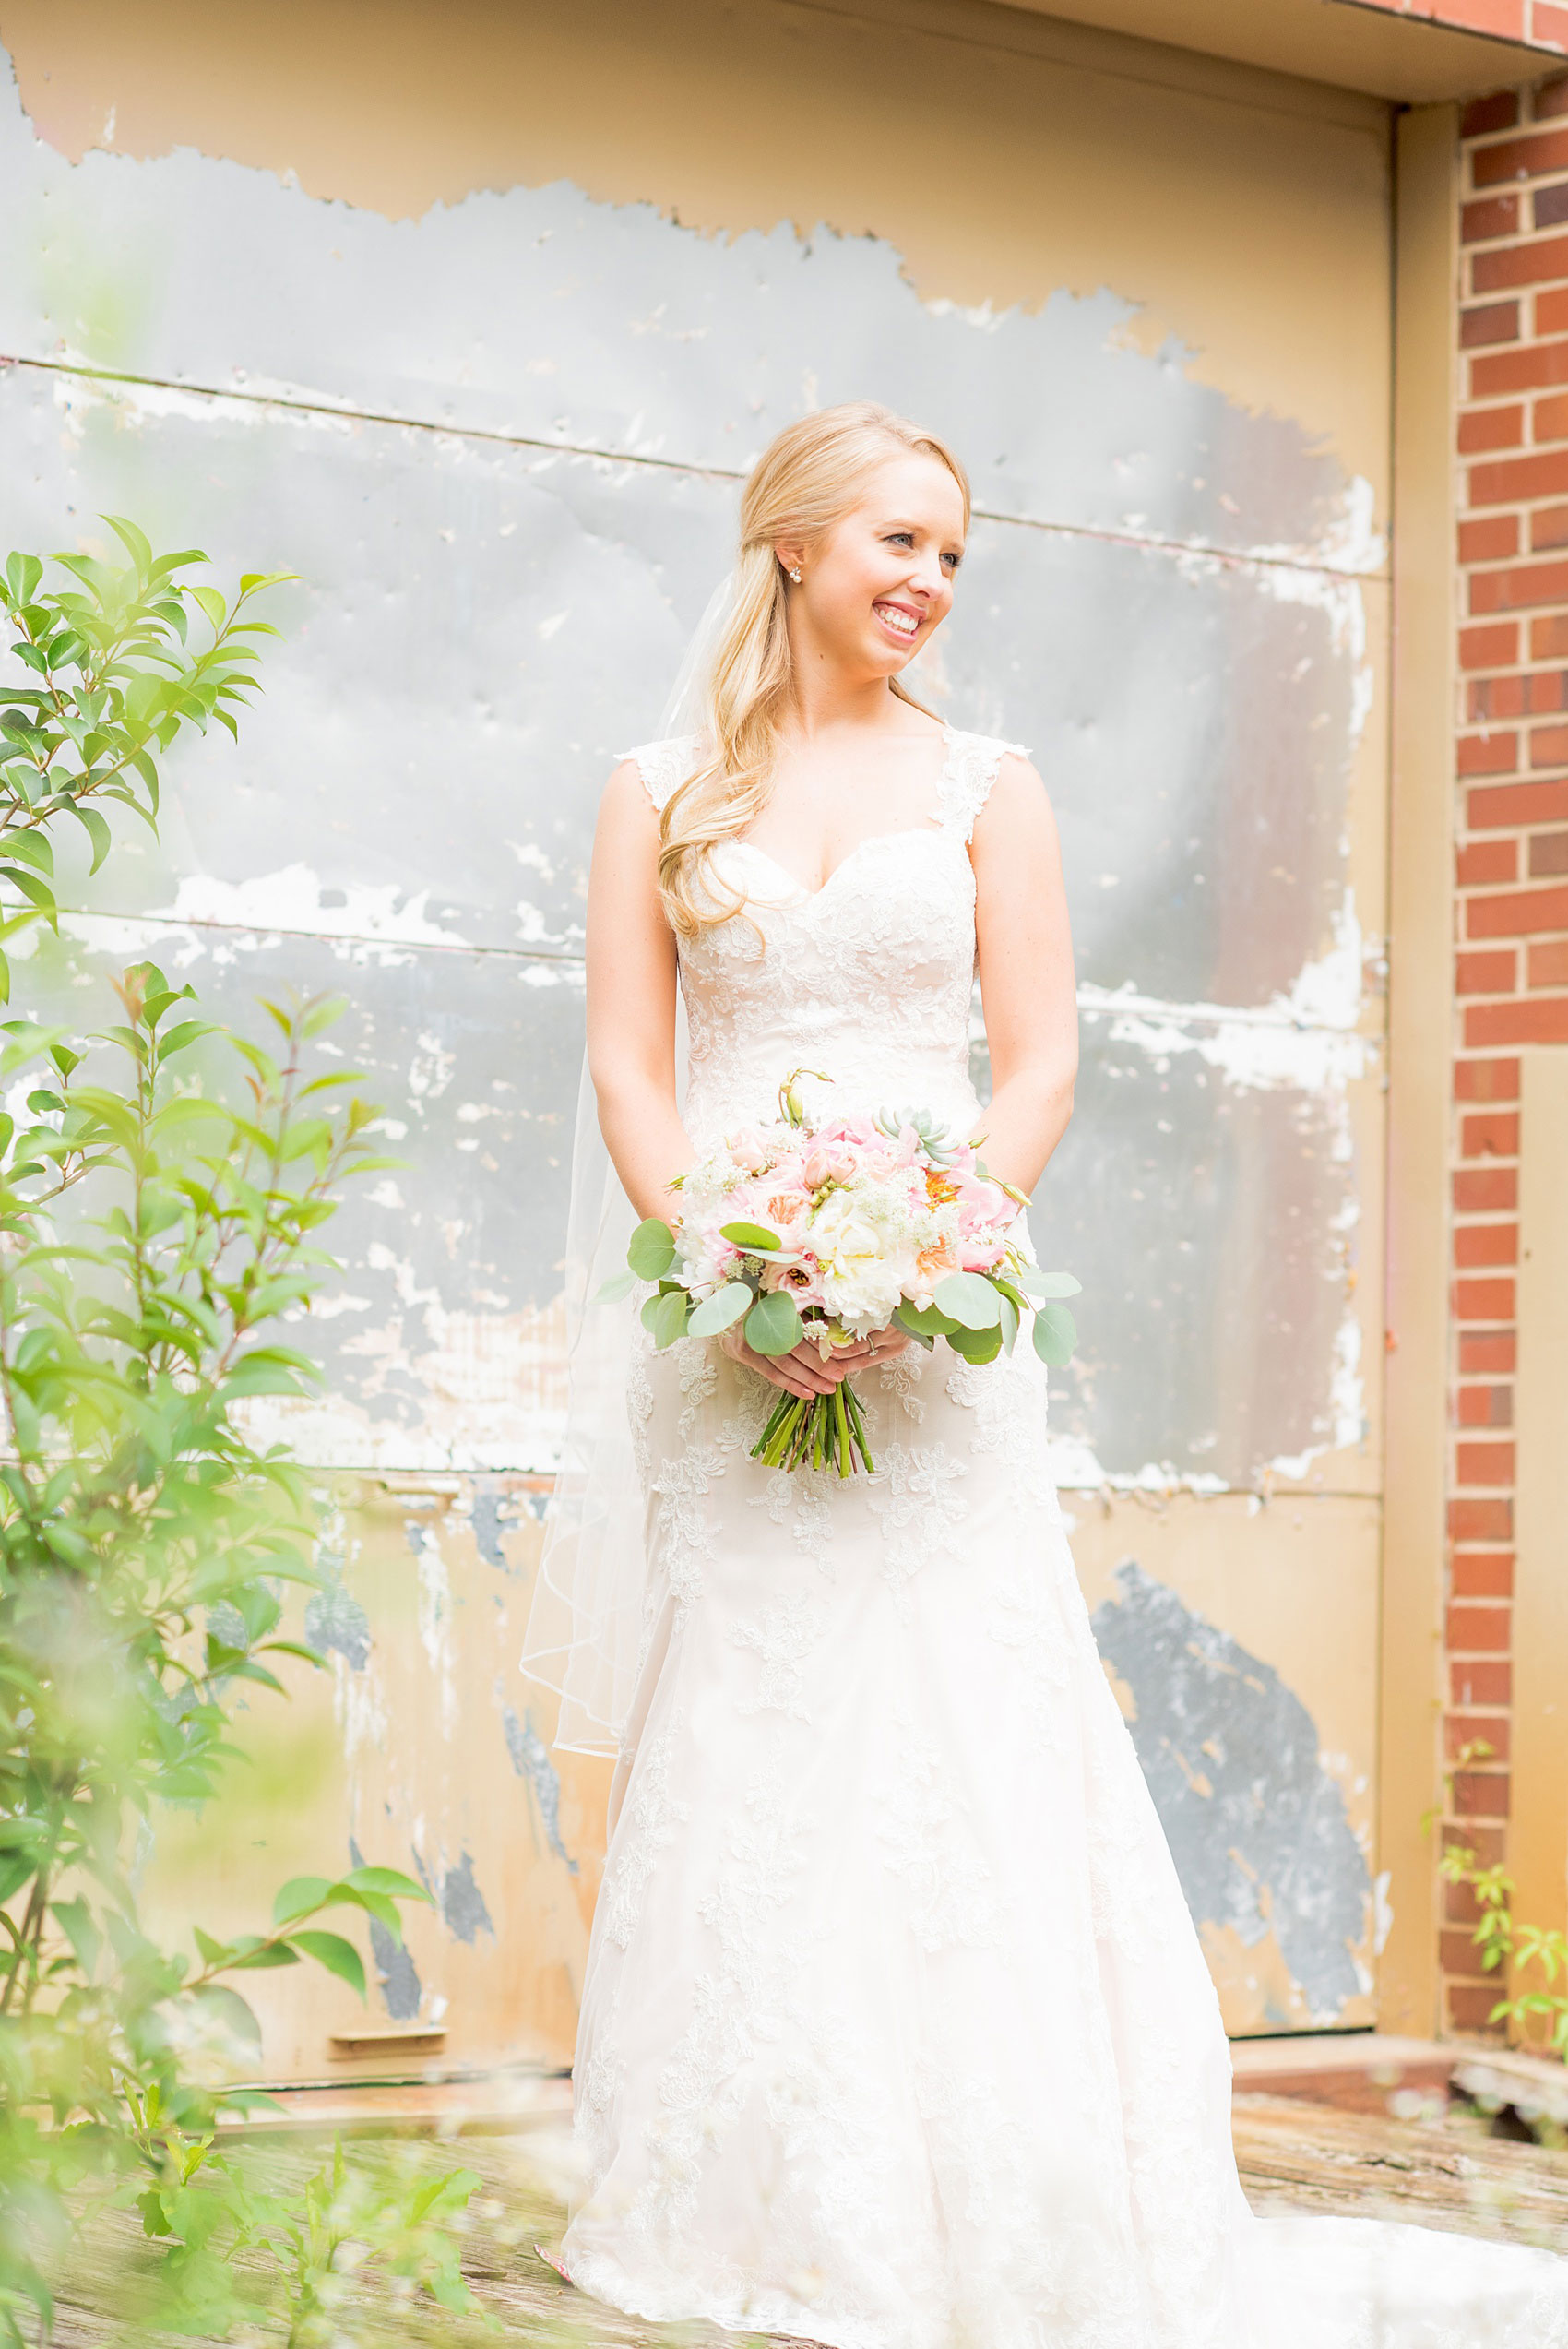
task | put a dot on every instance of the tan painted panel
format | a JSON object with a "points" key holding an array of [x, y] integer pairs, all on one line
{"points": [[1247, 215], [1538, 1837], [1420, 1046], [420, 1748]]}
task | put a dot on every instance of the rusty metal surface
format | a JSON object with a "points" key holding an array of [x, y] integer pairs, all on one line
{"points": [[507, 513]]}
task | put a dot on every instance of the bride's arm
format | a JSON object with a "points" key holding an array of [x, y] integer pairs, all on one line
{"points": [[631, 998], [1025, 975], [631, 1043]]}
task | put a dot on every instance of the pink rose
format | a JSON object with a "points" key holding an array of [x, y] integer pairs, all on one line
{"points": [[748, 1149]]}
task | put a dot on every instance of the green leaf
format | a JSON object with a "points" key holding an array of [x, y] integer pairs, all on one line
{"points": [[390, 1882], [14, 1871], [299, 1896], [773, 1325], [40, 892], [752, 1236], [969, 1298], [377, 1904], [132, 540], [81, 1930], [23, 573], [666, 1317], [925, 1320], [31, 847], [212, 605], [154, 2217], [234, 2009], [977, 1345], [167, 564], [651, 1248], [97, 829], [264, 1954], [324, 1013], [620, 1285], [1048, 1285], [339, 1957], [1055, 1334], [719, 1311]]}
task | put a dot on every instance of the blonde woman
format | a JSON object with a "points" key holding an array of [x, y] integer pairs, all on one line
{"points": [[895, 2032]]}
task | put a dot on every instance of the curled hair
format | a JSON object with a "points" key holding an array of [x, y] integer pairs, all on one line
{"points": [[804, 483]]}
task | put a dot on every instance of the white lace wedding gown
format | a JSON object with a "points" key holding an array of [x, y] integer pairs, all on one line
{"points": [[896, 2032]]}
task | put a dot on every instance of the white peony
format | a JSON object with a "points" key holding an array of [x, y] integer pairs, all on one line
{"points": [[863, 1283]]}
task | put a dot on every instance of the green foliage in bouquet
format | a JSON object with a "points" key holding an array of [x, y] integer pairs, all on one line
{"points": [[163, 1186], [978, 1314]]}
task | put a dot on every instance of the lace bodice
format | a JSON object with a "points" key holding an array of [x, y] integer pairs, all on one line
{"points": [[868, 978]]}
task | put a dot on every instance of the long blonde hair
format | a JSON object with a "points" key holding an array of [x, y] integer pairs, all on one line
{"points": [[804, 482]]}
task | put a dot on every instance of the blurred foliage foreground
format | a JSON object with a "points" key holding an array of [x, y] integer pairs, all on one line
{"points": [[163, 1186]]}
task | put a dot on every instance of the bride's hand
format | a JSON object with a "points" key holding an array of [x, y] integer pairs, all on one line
{"points": [[803, 1372]]}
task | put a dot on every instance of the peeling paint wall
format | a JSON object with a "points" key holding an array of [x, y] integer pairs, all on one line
{"points": [[500, 442]]}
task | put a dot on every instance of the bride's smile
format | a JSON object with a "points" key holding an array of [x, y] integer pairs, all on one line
{"points": [[877, 586]]}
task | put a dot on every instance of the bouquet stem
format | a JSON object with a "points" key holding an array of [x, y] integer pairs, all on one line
{"points": [[827, 1430]]}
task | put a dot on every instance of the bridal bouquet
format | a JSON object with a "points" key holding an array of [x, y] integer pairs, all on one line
{"points": [[832, 1231]]}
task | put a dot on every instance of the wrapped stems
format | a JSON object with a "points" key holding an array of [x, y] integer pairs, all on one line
{"points": [[827, 1431]]}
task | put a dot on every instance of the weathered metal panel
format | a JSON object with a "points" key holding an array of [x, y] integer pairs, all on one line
{"points": [[506, 516], [538, 314]]}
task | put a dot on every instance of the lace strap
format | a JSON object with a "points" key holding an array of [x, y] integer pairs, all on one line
{"points": [[967, 776], [663, 766]]}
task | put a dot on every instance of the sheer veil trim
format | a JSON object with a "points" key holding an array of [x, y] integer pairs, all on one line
{"points": [[585, 1625]]}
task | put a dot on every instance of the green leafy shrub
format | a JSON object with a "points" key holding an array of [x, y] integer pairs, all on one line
{"points": [[1530, 1961], [163, 1186]]}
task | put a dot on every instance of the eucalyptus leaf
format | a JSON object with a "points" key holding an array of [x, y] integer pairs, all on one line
{"points": [[1055, 1334], [924, 1320], [774, 1326], [719, 1311], [669, 1321], [977, 1345], [1048, 1285], [651, 1248], [968, 1298]]}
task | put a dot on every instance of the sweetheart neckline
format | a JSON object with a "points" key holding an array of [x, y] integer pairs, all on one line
{"points": [[937, 828]]}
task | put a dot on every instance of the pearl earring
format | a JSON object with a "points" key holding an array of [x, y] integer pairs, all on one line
{"points": [[796, 577]]}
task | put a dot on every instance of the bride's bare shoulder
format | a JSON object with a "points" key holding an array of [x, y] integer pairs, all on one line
{"points": [[1017, 809], [628, 816]]}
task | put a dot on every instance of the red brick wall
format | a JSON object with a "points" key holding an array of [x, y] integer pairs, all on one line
{"points": [[1512, 928]]}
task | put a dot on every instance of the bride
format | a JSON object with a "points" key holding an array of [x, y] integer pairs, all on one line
{"points": [[895, 2032]]}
